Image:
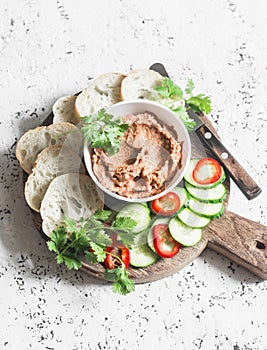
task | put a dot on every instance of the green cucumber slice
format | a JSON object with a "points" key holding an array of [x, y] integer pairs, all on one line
{"points": [[138, 212], [208, 195], [189, 218], [158, 221], [183, 234], [182, 194], [140, 253], [188, 176], [209, 210]]}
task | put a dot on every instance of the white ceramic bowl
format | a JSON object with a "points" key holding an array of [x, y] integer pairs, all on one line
{"points": [[164, 114]]}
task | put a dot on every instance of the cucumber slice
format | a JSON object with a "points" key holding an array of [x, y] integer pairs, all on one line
{"points": [[182, 194], [188, 176], [140, 254], [189, 218], [208, 195], [138, 212], [183, 234], [209, 210], [150, 235]]}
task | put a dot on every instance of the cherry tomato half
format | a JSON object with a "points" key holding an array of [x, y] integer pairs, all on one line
{"points": [[207, 171], [164, 244], [122, 252], [166, 205]]}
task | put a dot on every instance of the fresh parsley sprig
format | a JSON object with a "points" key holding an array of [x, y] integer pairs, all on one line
{"points": [[169, 90], [173, 96], [88, 238], [103, 131], [123, 227], [121, 282], [200, 102]]}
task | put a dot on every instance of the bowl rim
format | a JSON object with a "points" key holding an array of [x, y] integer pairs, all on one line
{"points": [[88, 162]]}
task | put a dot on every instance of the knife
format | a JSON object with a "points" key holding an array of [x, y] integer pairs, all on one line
{"points": [[239, 175]]}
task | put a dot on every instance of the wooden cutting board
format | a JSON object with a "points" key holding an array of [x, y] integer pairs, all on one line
{"points": [[241, 240]]}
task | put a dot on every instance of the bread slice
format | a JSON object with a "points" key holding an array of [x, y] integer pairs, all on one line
{"points": [[72, 195], [103, 92], [63, 110], [51, 162], [140, 83], [36, 140]]}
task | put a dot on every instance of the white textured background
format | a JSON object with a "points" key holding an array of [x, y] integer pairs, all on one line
{"points": [[52, 48]]}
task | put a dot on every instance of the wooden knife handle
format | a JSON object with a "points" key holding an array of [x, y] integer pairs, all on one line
{"points": [[239, 175], [241, 240]]}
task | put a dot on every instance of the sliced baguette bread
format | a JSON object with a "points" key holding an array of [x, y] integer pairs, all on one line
{"points": [[63, 110], [51, 162], [103, 92], [140, 83], [71, 195], [35, 140]]}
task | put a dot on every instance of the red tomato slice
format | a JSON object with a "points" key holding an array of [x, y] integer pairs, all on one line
{"points": [[166, 205], [207, 171], [164, 244], [111, 262]]}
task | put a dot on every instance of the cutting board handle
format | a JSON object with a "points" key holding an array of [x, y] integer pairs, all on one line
{"points": [[241, 240]]}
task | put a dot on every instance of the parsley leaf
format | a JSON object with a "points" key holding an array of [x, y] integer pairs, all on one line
{"points": [[171, 93], [183, 115], [98, 251], [102, 215], [169, 89], [52, 246], [200, 103], [58, 239], [103, 131], [122, 284], [126, 238], [189, 87], [82, 242], [99, 236], [123, 226], [124, 223], [71, 261], [91, 257], [70, 224], [59, 259]]}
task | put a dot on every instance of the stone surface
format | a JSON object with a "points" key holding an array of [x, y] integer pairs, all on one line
{"points": [[53, 48]]}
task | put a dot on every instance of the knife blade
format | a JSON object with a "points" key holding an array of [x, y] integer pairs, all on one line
{"points": [[238, 174]]}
